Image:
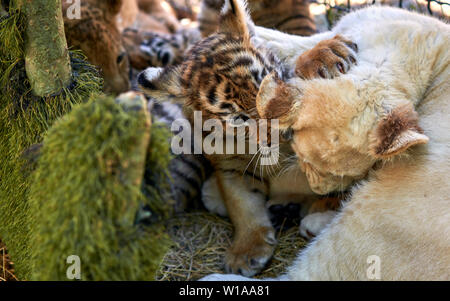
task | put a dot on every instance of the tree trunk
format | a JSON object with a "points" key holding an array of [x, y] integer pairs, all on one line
{"points": [[47, 59]]}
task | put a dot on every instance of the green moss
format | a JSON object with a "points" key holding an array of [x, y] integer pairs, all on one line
{"points": [[11, 41], [23, 120], [86, 204], [83, 201]]}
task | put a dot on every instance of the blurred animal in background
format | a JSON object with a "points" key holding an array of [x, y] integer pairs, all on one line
{"points": [[220, 77], [290, 16], [161, 42], [185, 9], [97, 34], [148, 15], [149, 48]]}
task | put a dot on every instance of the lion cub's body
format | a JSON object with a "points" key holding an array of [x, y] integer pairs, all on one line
{"points": [[396, 224], [401, 212]]}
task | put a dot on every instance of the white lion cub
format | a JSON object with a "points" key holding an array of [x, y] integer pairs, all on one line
{"points": [[385, 124]]}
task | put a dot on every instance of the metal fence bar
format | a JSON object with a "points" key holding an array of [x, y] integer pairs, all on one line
{"points": [[346, 6]]}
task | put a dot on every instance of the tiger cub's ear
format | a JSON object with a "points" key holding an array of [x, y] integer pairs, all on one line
{"points": [[235, 20], [396, 132], [161, 83], [277, 99]]}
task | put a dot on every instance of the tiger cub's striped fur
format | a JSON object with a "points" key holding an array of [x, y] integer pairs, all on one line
{"points": [[290, 16], [187, 172], [220, 78]]}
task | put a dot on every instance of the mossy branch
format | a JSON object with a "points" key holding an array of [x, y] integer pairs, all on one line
{"points": [[86, 194], [46, 55]]}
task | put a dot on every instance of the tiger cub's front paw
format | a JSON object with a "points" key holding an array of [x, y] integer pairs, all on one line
{"points": [[328, 59], [249, 253]]}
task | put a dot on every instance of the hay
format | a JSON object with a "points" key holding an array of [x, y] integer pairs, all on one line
{"points": [[200, 243], [6, 265]]}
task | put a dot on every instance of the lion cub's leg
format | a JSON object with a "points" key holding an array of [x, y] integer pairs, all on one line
{"points": [[328, 59], [254, 237]]}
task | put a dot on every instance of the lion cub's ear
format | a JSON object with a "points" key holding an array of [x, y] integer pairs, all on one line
{"points": [[277, 99], [397, 132], [161, 83]]}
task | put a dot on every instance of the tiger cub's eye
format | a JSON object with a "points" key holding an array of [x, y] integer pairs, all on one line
{"points": [[239, 120]]}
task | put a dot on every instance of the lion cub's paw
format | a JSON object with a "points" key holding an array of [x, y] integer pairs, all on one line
{"points": [[328, 59], [312, 224], [249, 253]]}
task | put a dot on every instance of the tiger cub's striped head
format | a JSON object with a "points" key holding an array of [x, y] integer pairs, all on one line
{"points": [[220, 75]]}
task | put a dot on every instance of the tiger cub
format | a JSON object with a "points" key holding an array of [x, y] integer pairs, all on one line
{"points": [[290, 16], [220, 78]]}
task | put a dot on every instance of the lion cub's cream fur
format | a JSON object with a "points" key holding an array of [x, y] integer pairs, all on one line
{"points": [[364, 125]]}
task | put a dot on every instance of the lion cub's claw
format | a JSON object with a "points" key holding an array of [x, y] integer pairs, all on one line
{"points": [[248, 255], [328, 59]]}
